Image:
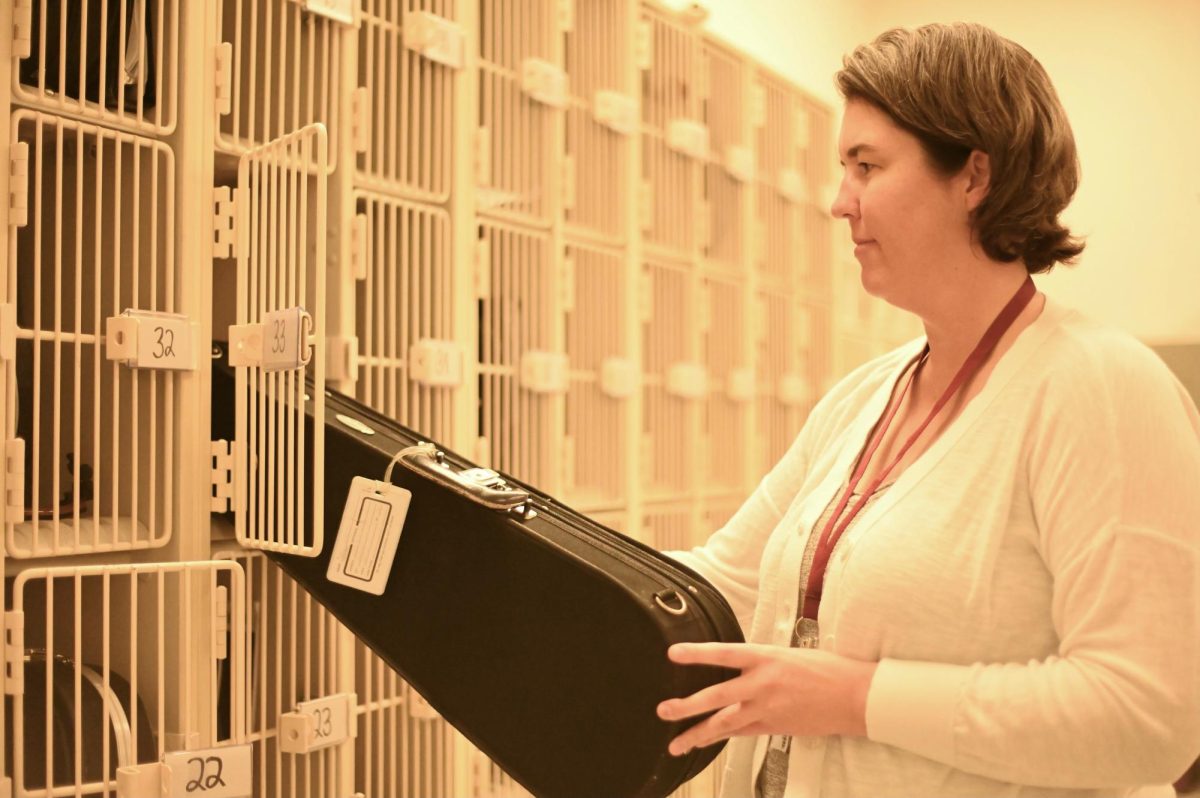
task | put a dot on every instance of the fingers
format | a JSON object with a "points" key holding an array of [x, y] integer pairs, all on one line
{"points": [[710, 698], [728, 655], [724, 724]]}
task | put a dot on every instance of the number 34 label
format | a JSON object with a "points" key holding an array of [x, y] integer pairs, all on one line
{"points": [[226, 772]]}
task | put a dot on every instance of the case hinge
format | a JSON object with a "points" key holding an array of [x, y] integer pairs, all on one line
{"points": [[14, 652], [224, 222], [222, 476], [18, 185]]}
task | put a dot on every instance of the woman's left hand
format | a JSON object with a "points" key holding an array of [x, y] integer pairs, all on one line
{"points": [[798, 692]]}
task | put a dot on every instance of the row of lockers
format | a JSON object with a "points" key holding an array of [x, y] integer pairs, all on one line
{"points": [[580, 239]]}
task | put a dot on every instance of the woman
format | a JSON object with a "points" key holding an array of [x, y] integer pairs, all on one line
{"points": [[977, 569]]}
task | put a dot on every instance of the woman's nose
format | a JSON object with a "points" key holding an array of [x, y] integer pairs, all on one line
{"points": [[844, 205]]}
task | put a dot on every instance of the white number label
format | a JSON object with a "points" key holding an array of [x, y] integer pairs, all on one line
{"points": [[285, 339], [147, 340], [316, 724], [213, 773]]}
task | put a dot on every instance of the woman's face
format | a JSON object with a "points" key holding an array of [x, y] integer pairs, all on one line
{"points": [[908, 223]]}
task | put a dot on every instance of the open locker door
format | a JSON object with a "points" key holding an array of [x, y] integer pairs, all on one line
{"points": [[278, 341]]}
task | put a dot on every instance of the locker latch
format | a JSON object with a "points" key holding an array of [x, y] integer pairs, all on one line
{"points": [[280, 342]]}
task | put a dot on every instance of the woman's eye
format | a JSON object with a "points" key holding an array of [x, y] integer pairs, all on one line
{"points": [[866, 167]]}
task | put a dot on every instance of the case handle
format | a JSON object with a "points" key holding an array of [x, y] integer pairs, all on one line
{"points": [[480, 485]]}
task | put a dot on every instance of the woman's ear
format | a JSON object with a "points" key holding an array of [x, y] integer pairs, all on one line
{"points": [[978, 172]]}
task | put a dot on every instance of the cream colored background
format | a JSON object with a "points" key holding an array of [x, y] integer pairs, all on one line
{"points": [[1129, 77]]}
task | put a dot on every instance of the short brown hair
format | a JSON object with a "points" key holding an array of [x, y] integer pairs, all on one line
{"points": [[963, 87]]}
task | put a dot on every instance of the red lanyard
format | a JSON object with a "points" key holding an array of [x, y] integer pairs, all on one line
{"points": [[830, 535]]}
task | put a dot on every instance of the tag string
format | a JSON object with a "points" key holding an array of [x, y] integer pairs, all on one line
{"points": [[422, 447]]}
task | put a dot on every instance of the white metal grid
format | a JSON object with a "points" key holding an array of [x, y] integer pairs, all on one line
{"points": [[403, 748], [779, 219], [726, 409], [670, 526], [115, 62], [669, 406], [404, 313], [108, 667], [410, 97], [281, 210], [783, 388], [97, 238], [291, 644], [817, 338], [521, 93], [601, 118], [671, 175], [521, 383], [277, 70], [727, 180], [602, 378]]}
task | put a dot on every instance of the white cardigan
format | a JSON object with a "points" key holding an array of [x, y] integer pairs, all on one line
{"points": [[1030, 585]]}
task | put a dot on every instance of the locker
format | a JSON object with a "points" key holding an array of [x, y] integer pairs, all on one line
{"points": [[726, 408], [728, 173], [674, 380], [278, 69], [601, 119], [408, 55], [523, 370], [522, 93], [409, 364], [675, 141], [114, 63], [107, 662], [784, 385], [602, 378], [98, 436]]}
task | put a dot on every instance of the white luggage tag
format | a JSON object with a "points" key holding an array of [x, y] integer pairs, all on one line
{"points": [[369, 533]]}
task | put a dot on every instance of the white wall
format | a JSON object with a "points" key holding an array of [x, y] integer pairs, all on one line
{"points": [[1130, 82]]}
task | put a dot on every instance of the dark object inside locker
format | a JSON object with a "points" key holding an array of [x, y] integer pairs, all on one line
{"points": [[84, 40]]}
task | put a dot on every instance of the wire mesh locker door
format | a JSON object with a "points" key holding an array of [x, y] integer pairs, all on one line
{"points": [[408, 55], [675, 142], [603, 377], [121, 668], [523, 372], [785, 390], [522, 91], [298, 719], [601, 120], [409, 363], [115, 62], [279, 465], [92, 425], [725, 412], [781, 190], [729, 170], [277, 70]]}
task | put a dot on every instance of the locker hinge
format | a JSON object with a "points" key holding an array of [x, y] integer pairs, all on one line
{"points": [[22, 44], [566, 15], [360, 123], [14, 652], [644, 48], [341, 357], [483, 157], [646, 298], [224, 222], [704, 309], [18, 185], [14, 480], [759, 248], [646, 205], [704, 224], [568, 182], [222, 476], [567, 283], [8, 332], [483, 268], [758, 106], [359, 256], [224, 75], [221, 623]]}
